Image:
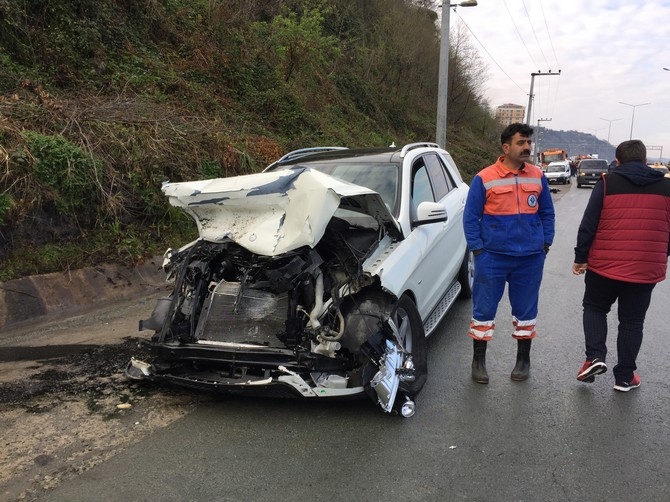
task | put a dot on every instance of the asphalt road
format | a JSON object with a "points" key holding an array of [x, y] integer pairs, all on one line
{"points": [[550, 438]]}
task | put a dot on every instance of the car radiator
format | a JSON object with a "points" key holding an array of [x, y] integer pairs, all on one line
{"points": [[250, 316]]}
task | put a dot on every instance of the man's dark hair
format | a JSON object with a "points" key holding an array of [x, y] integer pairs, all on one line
{"points": [[523, 129], [631, 151]]}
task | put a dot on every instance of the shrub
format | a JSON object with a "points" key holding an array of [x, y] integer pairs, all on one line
{"points": [[66, 169]]}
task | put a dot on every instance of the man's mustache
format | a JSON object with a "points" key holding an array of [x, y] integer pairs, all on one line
{"points": [[526, 152]]}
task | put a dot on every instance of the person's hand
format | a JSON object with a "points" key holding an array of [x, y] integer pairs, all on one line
{"points": [[579, 268]]}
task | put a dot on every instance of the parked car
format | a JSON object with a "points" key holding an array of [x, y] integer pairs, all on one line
{"points": [[320, 277], [661, 168], [589, 171], [558, 172]]}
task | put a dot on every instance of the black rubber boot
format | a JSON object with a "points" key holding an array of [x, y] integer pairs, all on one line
{"points": [[522, 369], [479, 373]]}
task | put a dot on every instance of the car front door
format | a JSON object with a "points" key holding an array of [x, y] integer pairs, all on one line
{"points": [[441, 245]]}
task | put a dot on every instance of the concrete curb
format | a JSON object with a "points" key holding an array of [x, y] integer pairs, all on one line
{"points": [[41, 297]]}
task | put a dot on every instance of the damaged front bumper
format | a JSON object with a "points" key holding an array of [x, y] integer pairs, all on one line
{"points": [[244, 368]]}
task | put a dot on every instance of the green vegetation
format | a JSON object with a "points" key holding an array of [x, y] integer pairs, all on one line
{"points": [[103, 100]]}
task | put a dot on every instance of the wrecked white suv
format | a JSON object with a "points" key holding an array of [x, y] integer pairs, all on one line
{"points": [[319, 277]]}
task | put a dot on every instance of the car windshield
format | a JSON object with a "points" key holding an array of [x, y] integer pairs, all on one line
{"points": [[551, 157], [593, 164], [380, 177], [556, 169]]}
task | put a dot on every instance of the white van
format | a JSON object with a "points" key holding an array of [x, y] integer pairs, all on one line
{"points": [[558, 172]]}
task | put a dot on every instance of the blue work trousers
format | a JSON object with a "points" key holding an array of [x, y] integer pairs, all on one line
{"points": [[523, 274]]}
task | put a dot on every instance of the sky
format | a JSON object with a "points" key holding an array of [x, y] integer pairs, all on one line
{"points": [[608, 51]]}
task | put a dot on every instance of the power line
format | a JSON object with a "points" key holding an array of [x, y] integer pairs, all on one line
{"points": [[520, 37], [551, 42], [530, 22], [489, 54], [552, 99]]}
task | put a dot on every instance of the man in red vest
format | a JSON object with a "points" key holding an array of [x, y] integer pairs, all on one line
{"points": [[623, 243], [509, 226]]}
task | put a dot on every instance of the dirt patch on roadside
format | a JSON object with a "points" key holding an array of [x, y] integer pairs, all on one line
{"points": [[66, 408]]}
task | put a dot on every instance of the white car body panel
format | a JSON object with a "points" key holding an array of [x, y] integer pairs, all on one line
{"points": [[274, 212]]}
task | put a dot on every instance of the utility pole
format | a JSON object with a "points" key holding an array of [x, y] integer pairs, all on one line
{"points": [[537, 142], [532, 83]]}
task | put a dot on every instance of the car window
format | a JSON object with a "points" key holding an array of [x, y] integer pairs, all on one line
{"points": [[421, 188], [442, 181], [593, 164]]}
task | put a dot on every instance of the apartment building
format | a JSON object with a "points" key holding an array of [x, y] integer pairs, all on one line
{"points": [[509, 113]]}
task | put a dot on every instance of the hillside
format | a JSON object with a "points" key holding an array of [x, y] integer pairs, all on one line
{"points": [[574, 142], [103, 100]]}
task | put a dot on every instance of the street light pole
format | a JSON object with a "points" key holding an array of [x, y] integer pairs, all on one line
{"points": [[609, 129], [595, 139], [443, 69], [633, 117]]}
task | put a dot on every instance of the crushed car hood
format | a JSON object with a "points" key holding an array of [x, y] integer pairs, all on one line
{"points": [[274, 212]]}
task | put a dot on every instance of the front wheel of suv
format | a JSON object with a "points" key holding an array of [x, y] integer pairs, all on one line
{"points": [[466, 274], [408, 321]]}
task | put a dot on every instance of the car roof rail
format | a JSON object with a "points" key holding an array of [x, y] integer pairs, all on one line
{"points": [[295, 154], [411, 146]]}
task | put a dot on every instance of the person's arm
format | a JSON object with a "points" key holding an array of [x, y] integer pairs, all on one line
{"points": [[589, 225], [472, 215], [547, 214]]}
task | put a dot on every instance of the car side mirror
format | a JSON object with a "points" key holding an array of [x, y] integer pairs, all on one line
{"points": [[429, 212]]}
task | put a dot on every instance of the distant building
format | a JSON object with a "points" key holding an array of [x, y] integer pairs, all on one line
{"points": [[510, 113]]}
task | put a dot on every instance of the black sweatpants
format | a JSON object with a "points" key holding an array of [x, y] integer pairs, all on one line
{"points": [[634, 299]]}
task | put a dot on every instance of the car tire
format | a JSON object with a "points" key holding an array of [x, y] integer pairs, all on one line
{"points": [[466, 275], [410, 327], [362, 317]]}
